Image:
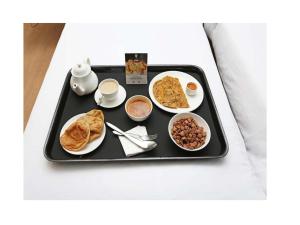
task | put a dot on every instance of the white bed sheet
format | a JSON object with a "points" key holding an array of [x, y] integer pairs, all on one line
{"points": [[240, 51], [228, 178]]}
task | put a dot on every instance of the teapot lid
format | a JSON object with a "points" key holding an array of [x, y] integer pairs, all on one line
{"points": [[81, 70]]}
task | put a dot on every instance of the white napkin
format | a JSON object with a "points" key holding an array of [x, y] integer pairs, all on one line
{"points": [[130, 148]]}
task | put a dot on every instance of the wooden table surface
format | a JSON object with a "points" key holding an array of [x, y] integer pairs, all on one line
{"points": [[40, 40]]}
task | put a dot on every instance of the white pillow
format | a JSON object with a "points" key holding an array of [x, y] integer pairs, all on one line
{"points": [[240, 51]]}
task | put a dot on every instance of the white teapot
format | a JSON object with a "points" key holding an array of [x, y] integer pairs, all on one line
{"points": [[83, 80]]}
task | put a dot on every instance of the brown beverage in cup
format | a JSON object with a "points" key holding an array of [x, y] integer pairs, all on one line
{"points": [[109, 89]]}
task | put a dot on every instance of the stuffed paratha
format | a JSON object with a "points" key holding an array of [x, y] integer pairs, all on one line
{"points": [[169, 93]]}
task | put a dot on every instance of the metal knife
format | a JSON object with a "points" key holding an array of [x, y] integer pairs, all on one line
{"points": [[142, 144]]}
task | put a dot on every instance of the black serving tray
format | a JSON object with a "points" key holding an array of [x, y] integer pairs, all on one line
{"points": [[69, 105]]}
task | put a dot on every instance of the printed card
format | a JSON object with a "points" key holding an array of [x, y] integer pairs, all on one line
{"points": [[136, 68]]}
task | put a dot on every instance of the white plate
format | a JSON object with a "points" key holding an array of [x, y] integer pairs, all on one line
{"points": [[199, 120], [111, 104], [90, 146], [194, 101]]}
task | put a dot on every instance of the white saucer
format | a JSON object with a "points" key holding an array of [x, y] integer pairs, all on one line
{"points": [[111, 104], [90, 146]]}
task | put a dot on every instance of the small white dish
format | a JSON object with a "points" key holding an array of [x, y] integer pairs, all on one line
{"points": [[189, 91], [199, 120], [90, 146], [134, 98], [120, 98], [184, 78]]}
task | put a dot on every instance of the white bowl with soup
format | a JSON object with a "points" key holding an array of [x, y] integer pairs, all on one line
{"points": [[138, 107]]}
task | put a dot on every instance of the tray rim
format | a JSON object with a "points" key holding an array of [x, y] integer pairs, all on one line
{"points": [[66, 82]]}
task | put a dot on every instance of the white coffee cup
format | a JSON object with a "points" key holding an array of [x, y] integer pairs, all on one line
{"points": [[108, 90]]}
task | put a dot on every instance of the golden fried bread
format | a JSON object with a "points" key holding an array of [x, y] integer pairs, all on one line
{"points": [[168, 92], [76, 136], [86, 129], [95, 120], [96, 113], [96, 125]]}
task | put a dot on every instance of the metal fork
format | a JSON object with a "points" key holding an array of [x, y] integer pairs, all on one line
{"points": [[149, 137]]}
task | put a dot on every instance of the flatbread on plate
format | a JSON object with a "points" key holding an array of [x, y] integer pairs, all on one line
{"points": [[169, 93], [76, 136], [95, 120]]}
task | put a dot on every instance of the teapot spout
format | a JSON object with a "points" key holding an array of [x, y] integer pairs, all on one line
{"points": [[79, 90]]}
